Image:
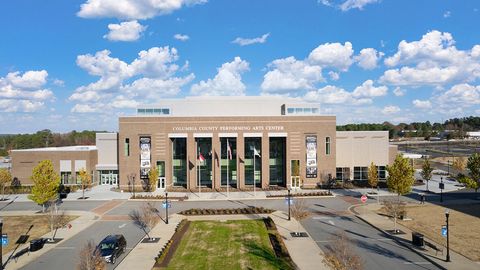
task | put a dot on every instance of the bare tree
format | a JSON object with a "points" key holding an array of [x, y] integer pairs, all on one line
{"points": [[340, 255], [395, 209], [299, 211], [57, 219], [90, 258], [146, 218]]}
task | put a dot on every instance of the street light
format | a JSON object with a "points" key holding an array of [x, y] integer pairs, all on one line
{"points": [[447, 214], [441, 185], [288, 197], [166, 207], [1, 244]]}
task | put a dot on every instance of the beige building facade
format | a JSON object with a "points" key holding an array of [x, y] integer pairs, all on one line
{"points": [[67, 161]]}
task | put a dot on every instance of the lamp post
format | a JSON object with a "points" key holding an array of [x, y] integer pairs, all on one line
{"points": [[447, 214], [288, 197], [441, 189], [1, 244], [166, 207]]}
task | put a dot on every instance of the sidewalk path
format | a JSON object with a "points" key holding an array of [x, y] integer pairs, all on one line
{"points": [[304, 252], [84, 220], [368, 214]]}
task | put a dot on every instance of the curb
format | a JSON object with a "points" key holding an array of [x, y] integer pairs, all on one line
{"points": [[396, 240]]}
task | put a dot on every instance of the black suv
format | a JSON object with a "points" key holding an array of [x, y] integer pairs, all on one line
{"points": [[111, 247]]}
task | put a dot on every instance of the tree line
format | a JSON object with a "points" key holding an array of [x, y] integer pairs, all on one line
{"points": [[457, 127], [45, 138]]}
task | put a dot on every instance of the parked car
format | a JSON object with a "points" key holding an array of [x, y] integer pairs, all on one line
{"points": [[111, 247]]}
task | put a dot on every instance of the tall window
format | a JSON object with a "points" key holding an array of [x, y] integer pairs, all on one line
{"points": [[343, 173], [179, 161], [381, 172], [66, 177], [127, 147], [204, 167], [228, 161], [327, 145], [253, 148], [277, 161]]}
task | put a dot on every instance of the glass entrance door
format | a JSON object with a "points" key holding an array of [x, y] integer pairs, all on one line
{"points": [[108, 178], [161, 175]]}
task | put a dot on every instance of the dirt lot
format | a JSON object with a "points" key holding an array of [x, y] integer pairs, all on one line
{"points": [[464, 226], [14, 226]]}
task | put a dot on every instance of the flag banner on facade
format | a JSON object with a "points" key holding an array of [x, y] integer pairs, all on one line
{"points": [[200, 157], [255, 152], [229, 151]]}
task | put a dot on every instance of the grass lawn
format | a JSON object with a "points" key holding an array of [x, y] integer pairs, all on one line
{"points": [[464, 228], [14, 226], [241, 244]]}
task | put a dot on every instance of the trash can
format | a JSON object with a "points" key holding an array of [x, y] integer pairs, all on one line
{"points": [[417, 239], [36, 244]]}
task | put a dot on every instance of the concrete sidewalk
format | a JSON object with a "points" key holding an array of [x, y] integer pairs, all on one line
{"points": [[368, 213], [303, 251], [84, 220]]}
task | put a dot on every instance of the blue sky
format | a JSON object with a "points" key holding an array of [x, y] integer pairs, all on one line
{"points": [[79, 64]]}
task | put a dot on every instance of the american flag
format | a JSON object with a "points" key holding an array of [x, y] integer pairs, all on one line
{"points": [[229, 151]]}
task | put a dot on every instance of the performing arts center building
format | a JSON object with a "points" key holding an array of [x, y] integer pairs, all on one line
{"points": [[215, 142]]}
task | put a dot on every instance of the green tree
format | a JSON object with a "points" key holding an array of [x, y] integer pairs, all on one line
{"points": [[473, 165], [426, 170], [400, 179], [85, 180], [372, 175], [152, 179], [45, 183], [5, 178], [469, 183]]}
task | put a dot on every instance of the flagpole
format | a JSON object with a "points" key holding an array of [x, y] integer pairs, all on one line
{"points": [[228, 161], [254, 185], [198, 169]]}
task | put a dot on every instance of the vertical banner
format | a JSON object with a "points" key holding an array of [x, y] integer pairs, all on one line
{"points": [[311, 143], [145, 155]]}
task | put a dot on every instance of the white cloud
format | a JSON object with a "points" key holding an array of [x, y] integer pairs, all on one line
{"points": [[181, 37], [390, 109], [333, 55], [289, 74], [463, 95], [368, 58], [346, 5], [368, 90], [151, 76], [335, 95], [228, 80], [58, 82], [125, 31], [434, 60], [132, 9], [84, 108], [398, 92], [447, 14], [249, 41], [334, 76], [24, 92], [422, 104]]}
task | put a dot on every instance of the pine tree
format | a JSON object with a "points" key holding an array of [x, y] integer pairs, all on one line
{"points": [[45, 183], [473, 165]]}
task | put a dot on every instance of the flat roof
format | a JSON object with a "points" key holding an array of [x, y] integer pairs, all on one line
{"points": [[78, 148]]}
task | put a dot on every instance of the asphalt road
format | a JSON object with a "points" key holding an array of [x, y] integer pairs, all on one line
{"points": [[330, 215], [66, 254]]}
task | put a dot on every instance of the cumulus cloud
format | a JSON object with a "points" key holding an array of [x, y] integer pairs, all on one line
{"points": [[333, 55], [334, 76], [151, 76], [390, 109], [368, 90], [368, 58], [346, 5], [24, 92], [132, 9], [290, 74], [249, 41], [433, 60], [460, 95], [181, 37], [422, 104], [227, 81], [398, 92], [125, 31], [447, 14]]}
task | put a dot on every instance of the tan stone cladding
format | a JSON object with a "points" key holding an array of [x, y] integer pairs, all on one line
{"points": [[24, 161], [161, 130]]}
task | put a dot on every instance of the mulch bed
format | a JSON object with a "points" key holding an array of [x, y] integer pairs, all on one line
{"points": [[166, 255], [230, 211]]}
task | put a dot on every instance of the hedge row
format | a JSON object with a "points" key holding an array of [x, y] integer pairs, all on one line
{"points": [[162, 259], [228, 211], [318, 193], [156, 197]]}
